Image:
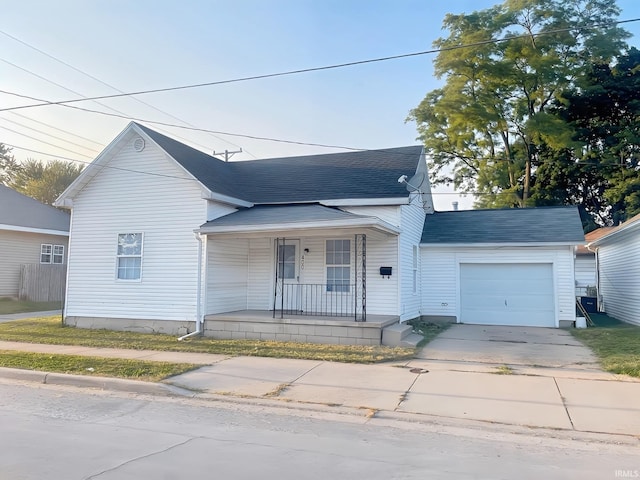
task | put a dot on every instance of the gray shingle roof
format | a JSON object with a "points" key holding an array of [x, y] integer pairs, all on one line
{"points": [[515, 225], [361, 174], [278, 214], [21, 211]]}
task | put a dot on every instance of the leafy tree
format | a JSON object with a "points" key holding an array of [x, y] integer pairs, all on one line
{"points": [[8, 165], [491, 126], [44, 181], [604, 110]]}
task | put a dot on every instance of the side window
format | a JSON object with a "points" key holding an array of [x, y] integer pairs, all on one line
{"points": [[45, 253], [129, 256], [58, 254], [338, 263]]}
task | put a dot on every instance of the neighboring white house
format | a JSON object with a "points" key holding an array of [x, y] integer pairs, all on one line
{"points": [[618, 270], [31, 233], [586, 277], [315, 248]]}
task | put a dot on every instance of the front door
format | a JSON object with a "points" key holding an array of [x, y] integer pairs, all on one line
{"points": [[288, 275]]}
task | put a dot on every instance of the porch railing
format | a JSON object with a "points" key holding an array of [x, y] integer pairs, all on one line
{"points": [[319, 299]]}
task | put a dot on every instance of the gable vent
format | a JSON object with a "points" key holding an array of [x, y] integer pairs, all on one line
{"points": [[138, 144]]}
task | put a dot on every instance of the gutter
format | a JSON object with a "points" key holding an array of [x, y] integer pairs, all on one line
{"points": [[199, 323]]}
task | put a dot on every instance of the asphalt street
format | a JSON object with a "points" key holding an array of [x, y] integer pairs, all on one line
{"points": [[57, 432]]}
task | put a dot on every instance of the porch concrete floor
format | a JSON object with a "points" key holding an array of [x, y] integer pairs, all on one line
{"points": [[266, 316]]}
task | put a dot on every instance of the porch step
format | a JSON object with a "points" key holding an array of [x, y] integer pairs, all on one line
{"points": [[399, 335], [411, 340]]}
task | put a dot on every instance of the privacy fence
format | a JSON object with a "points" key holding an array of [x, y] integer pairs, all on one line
{"points": [[42, 283]]}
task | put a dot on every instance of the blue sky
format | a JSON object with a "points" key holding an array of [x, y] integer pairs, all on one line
{"points": [[138, 45]]}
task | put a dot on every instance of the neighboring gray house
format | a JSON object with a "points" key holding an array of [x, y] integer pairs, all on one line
{"points": [[319, 248], [618, 270], [30, 233]]}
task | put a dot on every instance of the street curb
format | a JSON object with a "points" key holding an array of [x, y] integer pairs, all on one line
{"points": [[84, 381]]}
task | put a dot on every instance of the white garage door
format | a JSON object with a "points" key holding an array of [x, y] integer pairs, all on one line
{"points": [[507, 294]]}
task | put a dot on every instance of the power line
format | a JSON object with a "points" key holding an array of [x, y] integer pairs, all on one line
{"points": [[49, 134], [109, 85], [121, 113], [154, 122], [325, 67], [58, 129], [42, 141]]}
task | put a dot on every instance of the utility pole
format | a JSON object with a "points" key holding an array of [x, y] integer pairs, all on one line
{"points": [[227, 154]]}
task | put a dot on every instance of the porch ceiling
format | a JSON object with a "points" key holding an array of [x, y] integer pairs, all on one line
{"points": [[303, 220]]}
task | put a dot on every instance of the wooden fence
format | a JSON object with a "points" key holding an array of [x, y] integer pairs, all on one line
{"points": [[42, 283]]}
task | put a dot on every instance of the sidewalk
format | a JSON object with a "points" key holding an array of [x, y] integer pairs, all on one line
{"points": [[543, 398], [9, 317]]}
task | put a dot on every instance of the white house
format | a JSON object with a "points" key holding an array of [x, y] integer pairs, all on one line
{"points": [[317, 248], [586, 277], [618, 270]]}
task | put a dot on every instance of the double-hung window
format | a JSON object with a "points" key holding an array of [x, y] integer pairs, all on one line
{"points": [[338, 261], [129, 256], [45, 253], [52, 254]]}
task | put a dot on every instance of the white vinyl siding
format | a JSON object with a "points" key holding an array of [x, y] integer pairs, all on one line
{"points": [[260, 274], [20, 248], [585, 270], [409, 269], [619, 276], [227, 277], [167, 206], [440, 272]]}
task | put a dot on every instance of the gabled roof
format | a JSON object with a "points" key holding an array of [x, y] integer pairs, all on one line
{"points": [[630, 225], [545, 225], [352, 175], [592, 237], [23, 213], [262, 218]]}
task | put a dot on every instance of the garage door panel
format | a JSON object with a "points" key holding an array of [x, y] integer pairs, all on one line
{"points": [[507, 294]]}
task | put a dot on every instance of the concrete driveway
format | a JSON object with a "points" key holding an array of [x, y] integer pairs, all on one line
{"points": [[523, 349]]}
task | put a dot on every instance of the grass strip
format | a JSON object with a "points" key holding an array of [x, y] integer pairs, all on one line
{"points": [[616, 344], [51, 331], [93, 366]]}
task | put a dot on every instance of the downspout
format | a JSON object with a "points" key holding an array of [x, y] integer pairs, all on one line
{"points": [[199, 329], [598, 296]]}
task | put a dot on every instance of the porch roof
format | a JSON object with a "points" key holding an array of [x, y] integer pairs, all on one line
{"points": [[272, 218]]}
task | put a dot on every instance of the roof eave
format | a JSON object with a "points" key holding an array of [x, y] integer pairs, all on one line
{"points": [[365, 222], [502, 244], [47, 231]]}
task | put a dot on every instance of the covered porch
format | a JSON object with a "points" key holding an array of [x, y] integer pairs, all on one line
{"points": [[299, 273]]}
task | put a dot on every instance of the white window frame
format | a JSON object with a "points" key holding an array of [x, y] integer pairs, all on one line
{"points": [[122, 256], [57, 257], [327, 265], [414, 269], [43, 247]]}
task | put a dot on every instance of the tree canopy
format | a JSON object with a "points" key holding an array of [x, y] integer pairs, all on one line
{"points": [[39, 180], [510, 72]]}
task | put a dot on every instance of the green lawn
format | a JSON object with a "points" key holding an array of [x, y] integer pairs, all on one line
{"points": [[51, 331], [9, 305], [101, 367], [616, 344]]}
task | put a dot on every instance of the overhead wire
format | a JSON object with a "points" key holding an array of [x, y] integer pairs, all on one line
{"points": [[102, 82], [326, 67], [117, 112]]}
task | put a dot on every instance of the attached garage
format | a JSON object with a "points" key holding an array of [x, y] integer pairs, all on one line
{"points": [[501, 267], [507, 294]]}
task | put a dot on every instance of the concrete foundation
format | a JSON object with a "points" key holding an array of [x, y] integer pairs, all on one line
{"points": [[168, 327]]}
